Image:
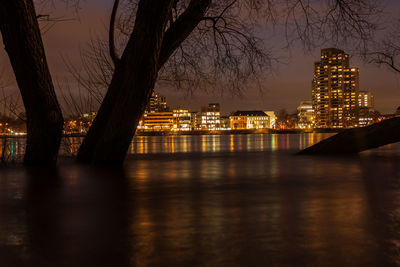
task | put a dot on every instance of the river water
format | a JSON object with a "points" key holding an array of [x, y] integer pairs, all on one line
{"points": [[243, 200]]}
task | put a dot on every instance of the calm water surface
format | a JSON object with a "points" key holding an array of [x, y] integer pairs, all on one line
{"points": [[242, 200]]}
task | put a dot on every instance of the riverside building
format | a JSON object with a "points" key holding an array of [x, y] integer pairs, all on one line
{"points": [[157, 116], [253, 119], [157, 103], [157, 121], [366, 111], [306, 115], [335, 90], [209, 118], [182, 119], [365, 99]]}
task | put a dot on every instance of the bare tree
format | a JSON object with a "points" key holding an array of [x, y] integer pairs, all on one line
{"points": [[211, 39], [188, 42], [386, 51], [22, 39]]}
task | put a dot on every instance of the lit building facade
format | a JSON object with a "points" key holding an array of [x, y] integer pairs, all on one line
{"points": [[366, 112], [306, 115], [157, 121], [365, 99], [225, 123], [335, 90], [157, 103], [182, 120], [238, 122], [255, 119], [272, 119], [209, 118]]}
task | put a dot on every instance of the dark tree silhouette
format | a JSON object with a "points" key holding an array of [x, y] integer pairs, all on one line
{"points": [[358, 139], [22, 40], [230, 47], [176, 39]]}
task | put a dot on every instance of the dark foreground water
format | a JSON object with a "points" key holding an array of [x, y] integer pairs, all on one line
{"points": [[213, 201]]}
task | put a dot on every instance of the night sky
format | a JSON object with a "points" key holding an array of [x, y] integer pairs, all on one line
{"points": [[287, 85]]}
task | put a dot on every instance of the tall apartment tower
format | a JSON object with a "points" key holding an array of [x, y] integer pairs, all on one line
{"points": [[335, 90]]}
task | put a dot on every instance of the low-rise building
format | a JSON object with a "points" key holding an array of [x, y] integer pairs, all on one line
{"points": [[157, 121], [366, 116], [272, 119], [209, 118], [306, 115], [238, 122], [365, 99], [182, 120], [225, 123], [366, 112], [252, 119]]}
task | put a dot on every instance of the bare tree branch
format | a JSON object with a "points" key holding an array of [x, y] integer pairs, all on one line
{"points": [[111, 44]]}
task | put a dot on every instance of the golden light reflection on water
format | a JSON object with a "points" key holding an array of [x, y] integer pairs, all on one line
{"points": [[315, 216], [209, 143], [144, 235], [183, 144], [203, 143], [232, 143], [274, 142], [245, 209]]}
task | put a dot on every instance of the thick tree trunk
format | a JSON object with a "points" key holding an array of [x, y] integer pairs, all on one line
{"points": [[114, 126], [148, 49], [359, 139], [23, 43]]}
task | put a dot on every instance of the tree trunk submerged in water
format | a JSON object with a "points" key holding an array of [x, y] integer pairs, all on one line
{"points": [[358, 139], [22, 40], [135, 74]]}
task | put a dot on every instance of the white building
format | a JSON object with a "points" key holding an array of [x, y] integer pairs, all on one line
{"points": [[272, 119]]}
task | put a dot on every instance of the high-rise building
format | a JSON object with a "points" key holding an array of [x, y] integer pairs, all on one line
{"points": [[335, 90]]}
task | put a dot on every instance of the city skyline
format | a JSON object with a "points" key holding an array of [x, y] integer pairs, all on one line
{"points": [[277, 92], [199, 133]]}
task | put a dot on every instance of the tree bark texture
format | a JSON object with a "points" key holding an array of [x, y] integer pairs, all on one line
{"points": [[23, 43], [148, 49], [358, 139]]}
